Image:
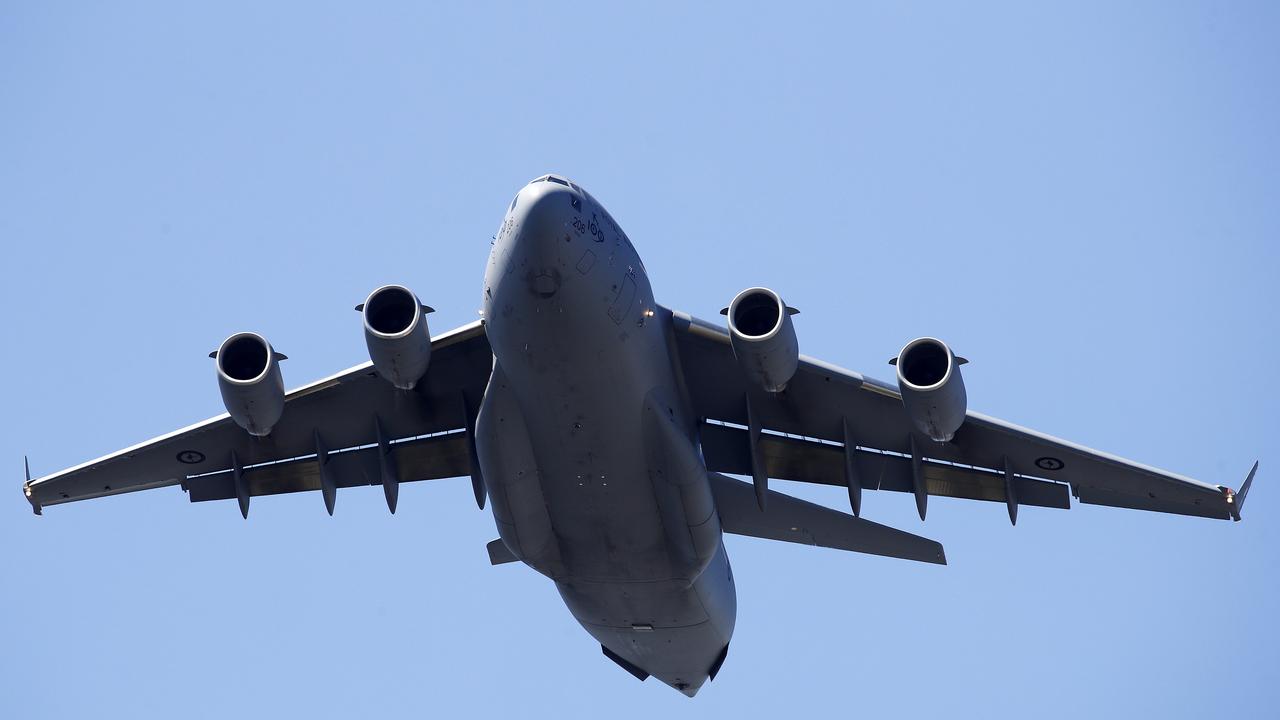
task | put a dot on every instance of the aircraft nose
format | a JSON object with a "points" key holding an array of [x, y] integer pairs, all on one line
{"points": [[547, 205], [544, 212]]}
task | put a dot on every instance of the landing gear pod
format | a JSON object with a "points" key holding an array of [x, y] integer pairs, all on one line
{"points": [[763, 338], [250, 382], [932, 389], [395, 329]]}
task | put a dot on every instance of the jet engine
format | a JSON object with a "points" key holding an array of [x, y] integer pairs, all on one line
{"points": [[395, 329], [250, 381], [763, 338], [931, 386]]}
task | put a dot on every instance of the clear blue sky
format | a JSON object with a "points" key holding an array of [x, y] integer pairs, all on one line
{"points": [[1081, 199]]}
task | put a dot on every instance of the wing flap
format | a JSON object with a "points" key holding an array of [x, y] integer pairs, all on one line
{"points": [[793, 520], [727, 449], [430, 458]]}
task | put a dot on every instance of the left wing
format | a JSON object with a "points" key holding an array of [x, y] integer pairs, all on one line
{"points": [[349, 429], [805, 430]]}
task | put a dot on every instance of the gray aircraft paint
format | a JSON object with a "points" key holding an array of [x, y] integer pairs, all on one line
{"points": [[601, 425], [594, 474]]}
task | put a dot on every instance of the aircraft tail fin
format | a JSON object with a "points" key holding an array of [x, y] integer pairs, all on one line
{"points": [[793, 520]]}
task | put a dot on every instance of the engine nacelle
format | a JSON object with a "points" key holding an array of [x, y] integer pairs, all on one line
{"points": [[931, 386], [395, 329], [763, 338], [250, 382]]}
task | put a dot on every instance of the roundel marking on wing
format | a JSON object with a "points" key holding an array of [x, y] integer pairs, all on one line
{"points": [[191, 457], [1050, 463]]}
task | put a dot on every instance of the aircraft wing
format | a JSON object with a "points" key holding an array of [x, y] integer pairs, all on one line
{"points": [[803, 432], [349, 429]]}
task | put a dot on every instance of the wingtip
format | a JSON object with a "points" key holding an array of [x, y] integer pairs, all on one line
{"points": [[1235, 499], [35, 505], [1248, 481], [26, 488]]}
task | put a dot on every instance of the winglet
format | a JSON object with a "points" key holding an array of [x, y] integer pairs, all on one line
{"points": [[1235, 500], [26, 488]]}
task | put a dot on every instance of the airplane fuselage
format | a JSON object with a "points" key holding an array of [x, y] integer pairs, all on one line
{"points": [[586, 442]]}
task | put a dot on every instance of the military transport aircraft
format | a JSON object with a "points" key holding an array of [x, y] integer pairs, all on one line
{"points": [[603, 429]]}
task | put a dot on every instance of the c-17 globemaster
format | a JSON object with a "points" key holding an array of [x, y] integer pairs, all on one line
{"points": [[603, 429]]}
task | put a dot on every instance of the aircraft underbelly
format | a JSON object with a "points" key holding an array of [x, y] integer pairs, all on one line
{"points": [[671, 630], [582, 408], [585, 402]]}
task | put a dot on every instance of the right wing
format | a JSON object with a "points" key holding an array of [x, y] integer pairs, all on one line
{"points": [[805, 430], [423, 436]]}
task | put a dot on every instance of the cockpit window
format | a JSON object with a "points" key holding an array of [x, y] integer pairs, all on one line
{"points": [[513, 202], [558, 180]]}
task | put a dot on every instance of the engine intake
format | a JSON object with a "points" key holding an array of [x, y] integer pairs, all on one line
{"points": [[932, 388], [250, 382], [395, 329], [763, 338]]}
